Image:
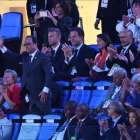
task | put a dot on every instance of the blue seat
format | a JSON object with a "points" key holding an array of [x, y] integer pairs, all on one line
{"points": [[81, 92], [99, 93], [12, 31], [30, 127], [49, 126], [16, 124], [95, 47], [64, 96], [0, 20]]}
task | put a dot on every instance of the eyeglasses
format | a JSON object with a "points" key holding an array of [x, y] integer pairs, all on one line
{"points": [[123, 37], [110, 107], [27, 44]]}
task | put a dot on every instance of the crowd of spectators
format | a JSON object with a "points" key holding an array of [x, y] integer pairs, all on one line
{"points": [[65, 57]]}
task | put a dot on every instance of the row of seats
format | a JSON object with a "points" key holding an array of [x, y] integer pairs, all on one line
{"points": [[82, 92]]}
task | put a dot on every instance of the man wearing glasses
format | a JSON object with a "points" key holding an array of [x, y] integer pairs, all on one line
{"points": [[37, 75]]}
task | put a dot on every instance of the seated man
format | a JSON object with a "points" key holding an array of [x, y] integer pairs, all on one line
{"points": [[75, 64], [10, 94], [86, 126], [115, 110], [122, 56], [55, 52], [69, 111], [114, 92]]}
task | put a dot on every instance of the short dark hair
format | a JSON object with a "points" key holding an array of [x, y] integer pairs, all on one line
{"points": [[105, 37], [3, 108], [34, 39], [84, 106], [73, 104], [64, 5], [137, 2], [79, 30], [55, 30]]}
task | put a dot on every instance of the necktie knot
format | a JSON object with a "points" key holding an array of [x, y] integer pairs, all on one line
{"points": [[122, 51], [53, 53], [75, 52], [30, 57]]}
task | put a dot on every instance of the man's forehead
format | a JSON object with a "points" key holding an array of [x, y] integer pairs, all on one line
{"points": [[28, 39]]}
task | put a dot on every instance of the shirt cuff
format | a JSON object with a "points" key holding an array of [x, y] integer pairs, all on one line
{"points": [[67, 62], [45, 89], [97, 19], [3, 49]]}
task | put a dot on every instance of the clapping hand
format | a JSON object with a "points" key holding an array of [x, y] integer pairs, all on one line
{"points": [[3, 90], [67, 51], [112, 51], [127, 84], [104, 125], [123, 58], [122, 129], [125, 19], [90, 63], [46, 50]]}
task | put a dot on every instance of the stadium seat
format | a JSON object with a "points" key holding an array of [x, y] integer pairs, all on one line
{"points": [[15, 118], [99, 93], [12, 31], [30, 128], [48, 128], [0, 20], [81, 92], [95, 47], [64, 96]]}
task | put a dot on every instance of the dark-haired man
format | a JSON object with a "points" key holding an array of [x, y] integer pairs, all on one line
{"points": [[69, 111], [37, 75], [75, 64]]}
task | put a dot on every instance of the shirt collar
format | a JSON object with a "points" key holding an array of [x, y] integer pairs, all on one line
{"points": [[116, 120], [79, 47], [83, 119], [56, 48], [126, 47], [33, 54], [72, 117]]}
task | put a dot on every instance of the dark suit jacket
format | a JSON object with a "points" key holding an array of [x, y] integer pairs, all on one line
{"points": [[113, 133], [122, 64], [38, 76], [79, 62], [88, 131], [58, 60]]}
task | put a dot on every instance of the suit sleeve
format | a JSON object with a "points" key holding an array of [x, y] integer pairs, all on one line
{"points": [[99, 10], [48, 72], [28, 8]]}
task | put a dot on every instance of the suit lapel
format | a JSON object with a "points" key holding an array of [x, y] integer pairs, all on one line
{"points": [[58, 52], [80, 53], [34, 60]]}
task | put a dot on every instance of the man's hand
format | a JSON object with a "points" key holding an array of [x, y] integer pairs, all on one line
{"points": [[1, 42], [90, 63], [67, 51], [43, 97], [3, 91], [49, 15], [96, 24], [37, 15], [125, 19], [104, 125], [46, 50], [123, 58], [131, 56]]}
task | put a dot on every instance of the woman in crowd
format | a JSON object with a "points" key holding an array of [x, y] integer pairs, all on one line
{"points": [[132, 132], [61, 21], [98, 68], [11, 92], [5, 125]]}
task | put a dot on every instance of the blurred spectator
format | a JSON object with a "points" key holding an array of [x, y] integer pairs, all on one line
{"points": [[69, 111], [33, 6], [115, 110], [86, 126], [136, 92], [75, 59], [131, 21], [131, 132], [114, 92], [115, 9], [62, 21], [10, 94], [122, 56], [98, 68], [6, 125], [55, 52]]}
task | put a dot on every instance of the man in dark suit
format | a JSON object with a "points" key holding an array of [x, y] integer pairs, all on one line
{"points": [[75, 65], [69, 111], [86, 127], [55, 52], [37, 75], [115, 9], [115, 110], [122, 56]]}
